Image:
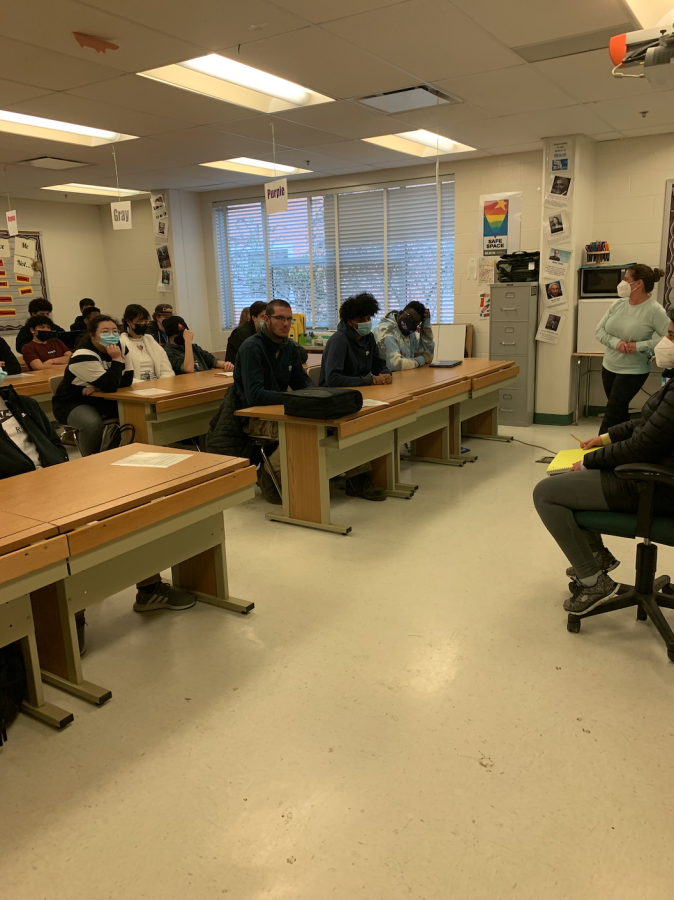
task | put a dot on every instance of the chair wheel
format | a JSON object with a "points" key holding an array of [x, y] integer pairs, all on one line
{"points": [[573, 624], [641, 614], [668, 589], [670, 654]]}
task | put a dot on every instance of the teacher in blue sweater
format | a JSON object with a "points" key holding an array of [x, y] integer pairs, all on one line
{"points": [[630, 329]]}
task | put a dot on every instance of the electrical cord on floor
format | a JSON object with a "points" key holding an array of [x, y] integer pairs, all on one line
{"points": [[537, 446]]}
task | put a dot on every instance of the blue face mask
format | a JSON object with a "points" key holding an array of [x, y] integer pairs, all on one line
{"points": [[109, 339], [3, 375], [364, 328]]}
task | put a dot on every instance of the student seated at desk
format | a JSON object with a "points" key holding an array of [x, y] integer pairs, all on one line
{"points": [[79, 324], [184, 355], [45, 350], [28, 440], [37, 307], [398, 341], [246, 329], [161, 312], [593, 485], [266, 366], [8, 362], [351, 359], [148, 359], [99, 363]]}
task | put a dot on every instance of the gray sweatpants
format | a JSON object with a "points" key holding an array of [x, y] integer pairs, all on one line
{"points": [[89, 423], [555, 499]]}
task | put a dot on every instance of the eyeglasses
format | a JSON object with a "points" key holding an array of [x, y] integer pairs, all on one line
{"points": [[288, 319]]}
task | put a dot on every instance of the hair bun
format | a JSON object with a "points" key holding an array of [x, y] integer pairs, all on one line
{"points": [[658, 274]]}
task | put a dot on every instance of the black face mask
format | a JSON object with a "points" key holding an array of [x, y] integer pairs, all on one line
{"points": [[180, 340], [406, 326], [140, 330], [44, 335]]}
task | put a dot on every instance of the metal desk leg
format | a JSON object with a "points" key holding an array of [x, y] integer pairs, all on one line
{"points": [[485, 426], [383, 476], [438, 446], [579, 375], [397, 456]]}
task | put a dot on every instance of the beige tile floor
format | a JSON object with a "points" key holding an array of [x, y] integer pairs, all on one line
{"points": [[403, 716]]}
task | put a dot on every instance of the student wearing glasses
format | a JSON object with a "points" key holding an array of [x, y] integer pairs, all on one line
{"points": [[398, 339], [184, 355], [267, 364]]}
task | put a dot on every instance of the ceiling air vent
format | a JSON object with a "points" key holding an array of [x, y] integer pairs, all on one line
{"points": [[51, 162], [419, 97]]}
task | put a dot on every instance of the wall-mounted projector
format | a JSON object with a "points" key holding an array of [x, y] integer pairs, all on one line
{"points": [[646, 54]]}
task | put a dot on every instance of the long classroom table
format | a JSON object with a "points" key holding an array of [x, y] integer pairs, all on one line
{"points": [[120, 525], [425, 406], [32, 555], [36, 385]]}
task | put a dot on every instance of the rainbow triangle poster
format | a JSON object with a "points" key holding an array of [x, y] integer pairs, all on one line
{"points": [[500, 222]]}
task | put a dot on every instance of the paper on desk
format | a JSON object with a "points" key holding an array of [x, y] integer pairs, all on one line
{"points": [[151, 392], [374, 403], [21, 375], [145, 460], [225, 374]]}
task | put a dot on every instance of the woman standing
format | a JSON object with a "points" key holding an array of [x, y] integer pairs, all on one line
{"points": [[630, 329], [148, 359]]}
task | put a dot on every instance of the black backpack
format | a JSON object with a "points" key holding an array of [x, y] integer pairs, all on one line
{"points": [[12, 686], [322, 403], [522, 265]]}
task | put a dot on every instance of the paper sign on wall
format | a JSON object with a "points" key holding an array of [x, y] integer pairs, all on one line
{"points": [[22, 279], [12, 224], [121, 215], [557, 263], [4, 284], [22, 264], [25, 247], [165, 282], [550, 327], [555, 295], [500, 222], [276, 196], [4, 248], [26, 292]]}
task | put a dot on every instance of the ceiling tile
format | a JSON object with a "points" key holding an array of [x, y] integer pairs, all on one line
{"points": [[521, 22], [67, 108], [346, 119], [653, 129], [430, 38], [358, 151], [324, 10], [143, 95], [587, 77], [441, 119], [520, 89], [289, 134], [52, 23], [516, 148], [43, 68], [12, 92], [626, 113], [211, 25], [318, 159], [493, 133], [320, 61], [200, 145], [567, 120]]}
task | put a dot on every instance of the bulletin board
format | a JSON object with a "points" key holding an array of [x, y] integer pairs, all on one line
{"points": [[668, 247], [19, 281]]}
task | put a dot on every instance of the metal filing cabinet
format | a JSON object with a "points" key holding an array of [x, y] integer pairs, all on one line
{"points": [[512, 335]]}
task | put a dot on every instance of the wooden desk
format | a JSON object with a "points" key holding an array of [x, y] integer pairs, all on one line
{"points": [[122, 525], [425, 406], [36, 385], [183, 412], [32, 555]]}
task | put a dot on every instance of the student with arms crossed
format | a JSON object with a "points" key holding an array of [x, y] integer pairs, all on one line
{"points": [[593, 485], [398, 341], [148, 359], [351, 359], [184, 355], [45, 350], [267, 365], [8, 362], [37, 307]]}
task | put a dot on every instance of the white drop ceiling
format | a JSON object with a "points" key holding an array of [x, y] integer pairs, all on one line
{"points": [[346, 49]]}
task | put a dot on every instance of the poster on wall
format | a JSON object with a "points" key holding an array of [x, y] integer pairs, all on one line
{"points": [[4, 248], [561, 157], [163, 257], [557, 227], [557, 263], [555, 296], [500, 222], [485, 270], [667, 262], [550, 327], [165, 282], [559, 191], [485, 304], [26, 247]]}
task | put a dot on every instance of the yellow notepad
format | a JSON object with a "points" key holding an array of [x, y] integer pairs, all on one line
{"points": [[565, 459]]}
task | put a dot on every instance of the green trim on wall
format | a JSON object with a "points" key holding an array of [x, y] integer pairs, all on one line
{"points": [[552, 419]]}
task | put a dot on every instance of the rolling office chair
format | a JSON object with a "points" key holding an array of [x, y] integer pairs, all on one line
{"points": [[649, 593]]}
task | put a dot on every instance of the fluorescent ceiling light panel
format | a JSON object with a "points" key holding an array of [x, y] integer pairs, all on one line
{"points": [[52, 130], [92, 189], [651, 12], [255, 167], [419, 143], [52, 162], [223, 78]]}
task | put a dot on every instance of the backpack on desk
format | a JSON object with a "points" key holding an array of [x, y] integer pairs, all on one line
{"points": [[322, 403], [522, 265]]}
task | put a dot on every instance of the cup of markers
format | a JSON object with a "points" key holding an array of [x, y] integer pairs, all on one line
{"points": [[598, 252]]}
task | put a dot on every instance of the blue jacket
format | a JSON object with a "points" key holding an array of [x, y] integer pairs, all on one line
{"points": [[349, 362], [264, 370]]}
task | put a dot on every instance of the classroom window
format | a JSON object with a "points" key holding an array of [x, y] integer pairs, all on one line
{"points": [[391, 241]]}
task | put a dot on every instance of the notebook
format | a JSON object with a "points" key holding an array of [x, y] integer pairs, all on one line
{"points": [[565, 460]]}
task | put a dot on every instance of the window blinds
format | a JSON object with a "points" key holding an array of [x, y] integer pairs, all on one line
{"points": [[324, 249]]}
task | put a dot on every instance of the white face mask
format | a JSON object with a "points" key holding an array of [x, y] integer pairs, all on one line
{"points": [[664, 354], [624, 290]]}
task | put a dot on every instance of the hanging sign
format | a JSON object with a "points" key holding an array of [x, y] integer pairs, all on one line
{"points": [[121, 215], [12, 224], [276, 196]]}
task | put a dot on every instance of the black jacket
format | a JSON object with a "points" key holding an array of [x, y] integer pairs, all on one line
{"points": [[236, 338], [349, 362], [160, 336], [79, 324], [265, 370], [11, 364], [49, 447], [649, 439], [25, 335]]}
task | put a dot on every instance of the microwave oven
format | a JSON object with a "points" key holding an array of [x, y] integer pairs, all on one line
{"points": [[596, 282]]}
